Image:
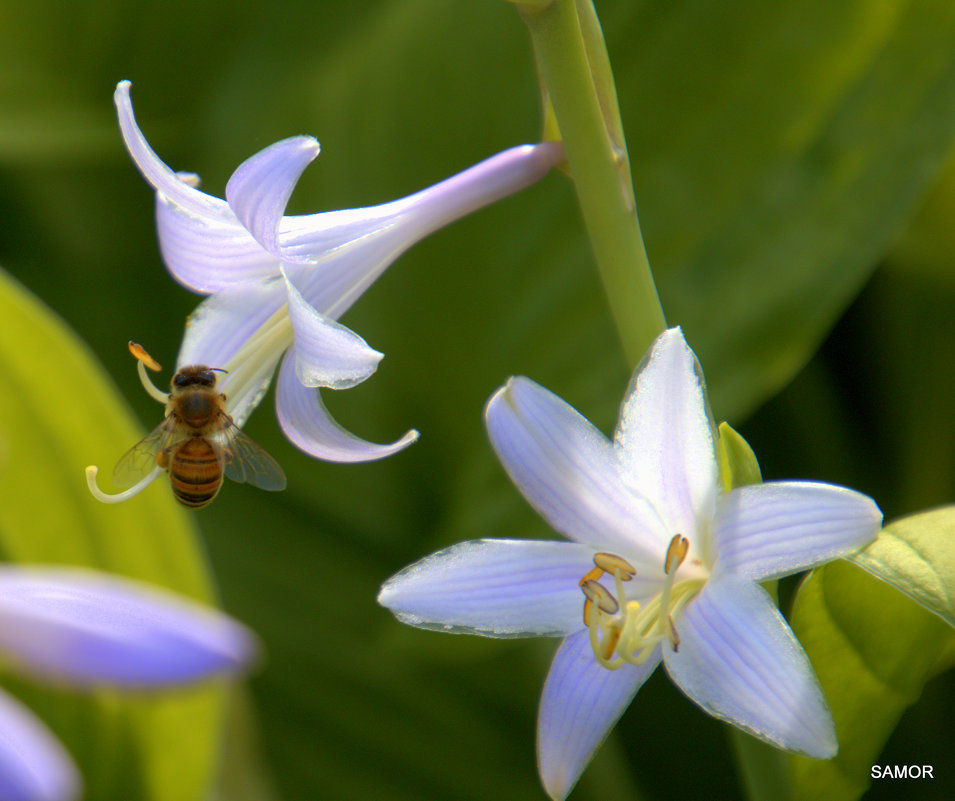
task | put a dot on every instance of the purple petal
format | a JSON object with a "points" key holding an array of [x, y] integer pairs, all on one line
{"points": [[154, 170], [33, 764], [92, 629], [496, 588], [203, 244], [259, 189], [581, 702], [327, 354], [355, 246], [207, 255], [309, 426], [221, 325], [486, 182], [739, 660], [224, 322], [665, 437], [567, 470], [771, 530]]}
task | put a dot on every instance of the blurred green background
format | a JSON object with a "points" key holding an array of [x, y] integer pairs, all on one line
{"points": [[789, 165]]}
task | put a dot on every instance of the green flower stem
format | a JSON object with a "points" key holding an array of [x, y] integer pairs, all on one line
{"points": [[575, 69]]}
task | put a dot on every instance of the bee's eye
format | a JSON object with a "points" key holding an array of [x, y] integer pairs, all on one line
{"points": [[207, 377], [181, 380]]}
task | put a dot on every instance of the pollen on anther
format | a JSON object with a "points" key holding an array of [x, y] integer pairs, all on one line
{"points": [[676, 553], [139, 352], [592, 575], [600, 595], [611, 563]]}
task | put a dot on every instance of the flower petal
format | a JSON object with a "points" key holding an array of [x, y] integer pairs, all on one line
{"points": [[259, 189], [205, 254], [567, 470], [739, 660], [309, 426], [665, 438], [92, 629], [496, 588], [355, 246], [770, 530], [222, 324], [154, 170], [327, 354], [581, 702], [204, 245], [33, 764]]}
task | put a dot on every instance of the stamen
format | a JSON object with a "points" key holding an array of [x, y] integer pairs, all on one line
{"points": [[144, 360], [610, 642], [601, 596], [624, 631], [252, 365], [611, 563], [595, 574], [588, 611], [674, 637], [676, 553], [140, 353], [119, 497]]}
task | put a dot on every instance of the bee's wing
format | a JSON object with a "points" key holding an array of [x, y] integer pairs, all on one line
{"points": [[247, 462], [139, 460]]}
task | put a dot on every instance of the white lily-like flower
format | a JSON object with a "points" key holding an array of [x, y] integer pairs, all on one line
{"points": [[85, 629], [664, 566], [279, 283]]}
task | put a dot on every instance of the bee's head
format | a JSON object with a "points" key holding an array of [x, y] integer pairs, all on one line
{"points": [[195, 375]]}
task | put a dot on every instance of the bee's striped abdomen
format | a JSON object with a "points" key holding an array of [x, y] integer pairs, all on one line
{"points": [[195, 472]]}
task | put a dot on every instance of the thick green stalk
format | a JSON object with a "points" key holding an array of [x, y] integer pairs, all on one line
{"points": [[576, 73]]}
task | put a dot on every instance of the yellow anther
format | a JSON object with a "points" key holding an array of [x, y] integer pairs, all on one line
{"points": [[595, 574], [140, 353], [676, 553], [588, 611], [626, 631], [609, 645], [601, 596], [611, 563]]}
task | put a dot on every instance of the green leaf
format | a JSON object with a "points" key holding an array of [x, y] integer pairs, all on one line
{"points": [[738, 465], [873, 650], [804, 136], [916, 555], [929, 240], [58, 412]]}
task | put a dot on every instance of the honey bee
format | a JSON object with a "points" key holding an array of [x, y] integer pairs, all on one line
{"points": [[197, 443]]}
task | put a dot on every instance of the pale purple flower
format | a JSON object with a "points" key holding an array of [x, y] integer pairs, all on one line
{"points": [[279, 283], [664, 566], [86, 629]]}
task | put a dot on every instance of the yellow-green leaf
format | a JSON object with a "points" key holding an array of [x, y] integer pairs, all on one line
{"points": [[738, 465], [916, 555], [873, 649], [59, 412]]}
